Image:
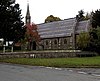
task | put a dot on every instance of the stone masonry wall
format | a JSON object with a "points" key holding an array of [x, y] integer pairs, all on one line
{"points": [[57, 43], [47, 54]]}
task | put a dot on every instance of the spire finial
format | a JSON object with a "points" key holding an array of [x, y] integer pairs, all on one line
{"points": [[28, 12], [28, 17], [27, 1]]}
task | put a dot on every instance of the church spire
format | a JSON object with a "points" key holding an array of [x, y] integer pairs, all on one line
{"points": [[28, 11], [28, 17]]}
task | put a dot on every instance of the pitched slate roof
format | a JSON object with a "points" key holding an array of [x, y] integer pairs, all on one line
{"points": [[60, 28], [83, 26]]}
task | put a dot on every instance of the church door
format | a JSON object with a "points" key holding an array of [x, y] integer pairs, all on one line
{"points": [[34, 45]]}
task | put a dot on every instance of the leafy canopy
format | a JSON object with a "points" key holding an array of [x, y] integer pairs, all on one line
{"points": [[96, 19], [11, 24], [83, 40], [51, 18]]}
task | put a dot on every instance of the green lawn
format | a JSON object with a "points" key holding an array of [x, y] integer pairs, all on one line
{"points": [[57, 62]]}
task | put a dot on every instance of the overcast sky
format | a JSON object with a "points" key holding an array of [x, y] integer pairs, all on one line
{"points": [[40, 9]]}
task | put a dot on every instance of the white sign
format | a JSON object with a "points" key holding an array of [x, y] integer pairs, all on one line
{"points": [[2, 39], [10, 42]]}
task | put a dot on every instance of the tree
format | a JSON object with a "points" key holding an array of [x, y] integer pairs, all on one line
{"points": [[51, 18], [89, 41], [80, 15], [32, 38], [11, 24], [95, 39], [83, 40], [95, 31], [88, 16], [96, 19]]}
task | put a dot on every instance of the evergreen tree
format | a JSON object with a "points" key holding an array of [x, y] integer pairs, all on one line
{"points": [[88, 16], [80, 15], [95, 31], [11, 24], [94, 44], [96, 19]]}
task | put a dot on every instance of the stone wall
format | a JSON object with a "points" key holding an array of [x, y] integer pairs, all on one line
{"points": [[47, 54]]}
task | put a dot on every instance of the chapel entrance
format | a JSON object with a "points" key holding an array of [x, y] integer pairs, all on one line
{"points": [[34, 45]]}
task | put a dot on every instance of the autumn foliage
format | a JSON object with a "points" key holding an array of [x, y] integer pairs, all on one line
{"points": [[32, 33]]}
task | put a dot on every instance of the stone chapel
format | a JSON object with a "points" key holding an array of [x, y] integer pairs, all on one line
{"points": [[59, 34]]}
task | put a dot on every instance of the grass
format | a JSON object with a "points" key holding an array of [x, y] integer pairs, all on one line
{"points": [[57, 62]]}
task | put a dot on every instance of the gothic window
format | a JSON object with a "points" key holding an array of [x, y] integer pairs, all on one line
{"points": [[55, 42], [46, 42], [65, 41]]}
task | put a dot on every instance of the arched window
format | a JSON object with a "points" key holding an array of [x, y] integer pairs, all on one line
{"points": [[46, 42], [65, 41], [55, 42]]}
